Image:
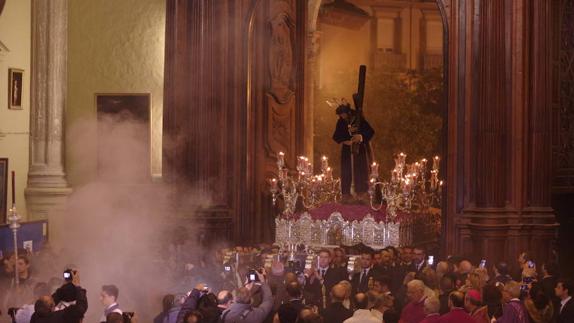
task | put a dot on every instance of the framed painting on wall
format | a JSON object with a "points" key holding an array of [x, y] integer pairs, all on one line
{"points": [[15, 82], [3, 189]]}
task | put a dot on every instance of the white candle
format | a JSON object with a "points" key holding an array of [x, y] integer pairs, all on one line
{"points": [[436, 162]]}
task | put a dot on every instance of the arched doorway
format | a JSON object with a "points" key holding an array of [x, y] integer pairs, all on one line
{"points": [[404, 45]]}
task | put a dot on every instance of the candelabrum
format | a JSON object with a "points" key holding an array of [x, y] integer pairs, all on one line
{"points": [[14, 224], [412, 187], [312, 190]]}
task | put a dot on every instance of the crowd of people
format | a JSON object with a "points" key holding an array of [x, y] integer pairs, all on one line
{"points": [[265, 285]]}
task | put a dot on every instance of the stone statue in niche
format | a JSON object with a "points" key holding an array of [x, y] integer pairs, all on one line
{"points": [[281, 57]]}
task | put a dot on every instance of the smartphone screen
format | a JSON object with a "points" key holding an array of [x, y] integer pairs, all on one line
{"points": [[430, 260], [252, 277], [530, 264], [67, 275], [482, 263]]}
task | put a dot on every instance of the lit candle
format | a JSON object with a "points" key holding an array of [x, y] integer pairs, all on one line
{"points": [[281, 160], [436, 162], [374, 170], [324, 163], [13, 188], [273, 182]]}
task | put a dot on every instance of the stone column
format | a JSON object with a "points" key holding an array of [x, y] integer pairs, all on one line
{"points": [[47, 188], [311, 52]]}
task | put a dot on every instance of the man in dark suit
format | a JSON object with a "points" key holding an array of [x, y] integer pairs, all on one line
{"points": [[336, 312], [289, 310], [564, 290], [360, 281], [549, 281], [320, 280], [419, 259]]}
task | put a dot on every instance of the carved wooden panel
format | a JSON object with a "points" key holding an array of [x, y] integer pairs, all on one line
{"points": [[563, 148]]}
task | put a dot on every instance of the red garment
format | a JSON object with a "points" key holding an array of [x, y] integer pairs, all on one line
{"points": [[481, 315], [413, 312], [456, 315], [432, 318]]}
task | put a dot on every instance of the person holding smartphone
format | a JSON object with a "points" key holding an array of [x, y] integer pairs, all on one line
{"points": [[243, 310]]}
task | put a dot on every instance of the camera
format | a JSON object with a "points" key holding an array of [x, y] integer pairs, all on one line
{"points": [[482, 263], [252, 276], [69, 275]]}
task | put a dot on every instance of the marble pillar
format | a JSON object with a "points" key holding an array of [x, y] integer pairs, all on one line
{"points": [[47, 188]]}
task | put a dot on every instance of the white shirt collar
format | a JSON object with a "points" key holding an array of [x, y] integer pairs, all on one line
{"points": [[564, 301], [111, 305]]}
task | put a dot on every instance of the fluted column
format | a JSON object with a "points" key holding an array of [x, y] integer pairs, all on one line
{"points": [[47, 186]]}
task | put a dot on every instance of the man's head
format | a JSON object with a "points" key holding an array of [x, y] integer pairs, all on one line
{"points": [[564, 288], [366, 260], [472, 300], [8, 263], [114, 318], [361, 301], [377, 258], [343, 111], [419, 255], [109, 295], [243, 295], [338, 256], [501, 268], [44, 305], [456, 300], [447, 282], [293, 289], [224, 298], [381, 284], [338, 293], [511, 290], [324, 258], [407, 254], [415, 290], [386, 258], [431, 305], [464, 267], [23, 265]]}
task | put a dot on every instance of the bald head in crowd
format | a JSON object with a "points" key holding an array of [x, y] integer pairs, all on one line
{"points": [[338, 292], [464, 267]]}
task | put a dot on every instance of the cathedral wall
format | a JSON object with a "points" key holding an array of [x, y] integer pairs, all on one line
{"points": [[114, 47], [15, 35]]}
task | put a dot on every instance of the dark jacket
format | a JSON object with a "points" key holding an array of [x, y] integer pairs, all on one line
{"points": [[246, 313], [313, 289], [336, 313], [189, 305], [566, 315], [362, 286], [71, 314]]}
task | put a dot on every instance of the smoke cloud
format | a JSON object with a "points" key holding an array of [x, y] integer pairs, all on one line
{"points": [[121, 228]]}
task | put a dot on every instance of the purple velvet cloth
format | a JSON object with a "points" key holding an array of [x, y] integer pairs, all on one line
{"points": [[514, 312], [350, 212]]}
